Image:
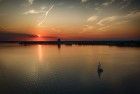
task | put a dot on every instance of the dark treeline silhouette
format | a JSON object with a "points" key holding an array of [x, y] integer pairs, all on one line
{"points": [[59, 42]]}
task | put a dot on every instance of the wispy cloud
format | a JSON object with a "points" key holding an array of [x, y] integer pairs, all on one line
{"points": [[125, 3], [31, 1], [44, 17], [92, 19], [84, 1], [31, 12], [108, 2], [129, 18], [113, 21], [107, 20], [104, 28], [133, 14]]}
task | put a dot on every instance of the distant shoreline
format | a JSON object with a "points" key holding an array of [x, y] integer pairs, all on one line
{"points": [[110, 43]]}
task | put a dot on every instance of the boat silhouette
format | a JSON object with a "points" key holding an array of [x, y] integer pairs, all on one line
{"points": [[100, 70]]}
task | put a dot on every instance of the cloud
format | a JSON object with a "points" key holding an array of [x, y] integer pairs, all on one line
{"points": [[130, 19], [44, 17], [43, 7], [133, 14], [104, 28], [125, 3], [92, 18], [107, 20], [31, 1], [87, 28], [108, 3], [31, 12], [84, 1]]}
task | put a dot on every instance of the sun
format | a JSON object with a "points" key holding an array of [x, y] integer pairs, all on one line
{"points": [[39, 35]]}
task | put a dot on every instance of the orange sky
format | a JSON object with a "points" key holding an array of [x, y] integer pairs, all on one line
{"points": [[74, 19]]}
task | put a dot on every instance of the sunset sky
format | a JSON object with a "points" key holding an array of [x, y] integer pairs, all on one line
{"points": [[70, 19]]}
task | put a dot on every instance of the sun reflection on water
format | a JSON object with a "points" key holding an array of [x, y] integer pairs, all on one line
{"points": [[40, 54]]}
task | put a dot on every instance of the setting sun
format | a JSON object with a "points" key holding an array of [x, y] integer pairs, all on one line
{"points": [[39, 35]]}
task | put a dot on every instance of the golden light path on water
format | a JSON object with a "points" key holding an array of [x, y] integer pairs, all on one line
{"points": [[40, 54]]}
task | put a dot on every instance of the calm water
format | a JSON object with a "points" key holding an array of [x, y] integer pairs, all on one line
{"points": [[49, 69]]}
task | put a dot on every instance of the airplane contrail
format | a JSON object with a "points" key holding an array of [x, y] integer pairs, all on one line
{"points": [[43, 19]]}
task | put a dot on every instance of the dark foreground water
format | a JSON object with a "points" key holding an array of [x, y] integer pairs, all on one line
{"points": [[49, 69]]}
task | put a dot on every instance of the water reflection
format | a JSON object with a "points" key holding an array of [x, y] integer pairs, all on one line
{"points": [[59, 46], [40, 54], [44, 69], [100, 70]]}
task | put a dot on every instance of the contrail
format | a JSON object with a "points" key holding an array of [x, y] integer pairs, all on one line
{"points": [[43, 19]]}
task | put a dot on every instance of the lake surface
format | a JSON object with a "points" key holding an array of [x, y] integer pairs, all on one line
{"points": [[51, 69]]}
